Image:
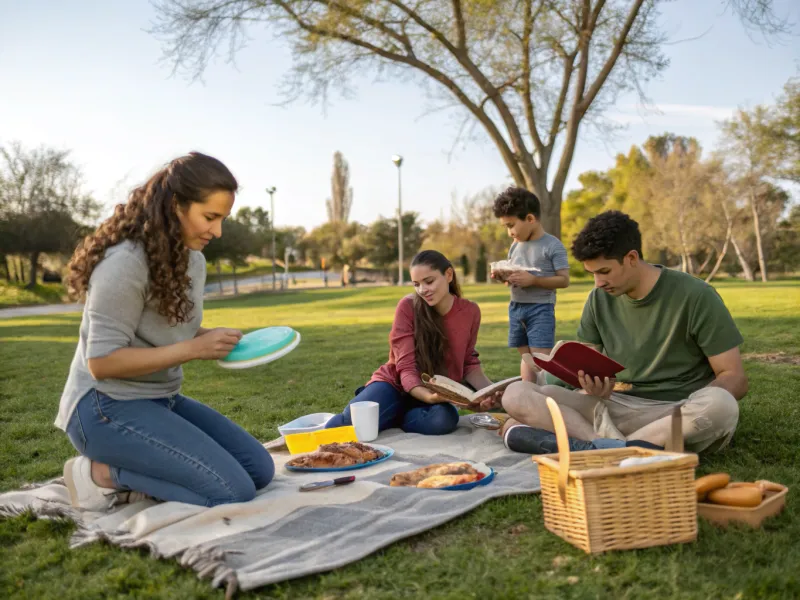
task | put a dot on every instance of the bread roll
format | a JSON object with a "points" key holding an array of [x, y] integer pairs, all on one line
{"points": [[710, 482], [741, 496]]}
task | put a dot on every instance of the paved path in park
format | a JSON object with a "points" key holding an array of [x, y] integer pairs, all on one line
{"points": [[244, 288], [39, 309]]}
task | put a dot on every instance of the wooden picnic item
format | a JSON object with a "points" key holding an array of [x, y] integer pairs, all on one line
{"points": [[596, 505], [733, 504]]}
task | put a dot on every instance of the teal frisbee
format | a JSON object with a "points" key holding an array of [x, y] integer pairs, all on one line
{"points": [[261, 347]]}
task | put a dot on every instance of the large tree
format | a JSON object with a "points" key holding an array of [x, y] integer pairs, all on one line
{"points": [[530, 72], [753, 157], [341, 199], [381, 239], [786, 130], [336, 243], [238, 241], [42, 203]]}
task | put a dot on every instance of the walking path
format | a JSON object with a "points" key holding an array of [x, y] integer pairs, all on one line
{"points": [[211, 294], [39, 309]]}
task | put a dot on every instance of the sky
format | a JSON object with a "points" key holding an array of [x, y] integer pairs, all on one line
{"points": [[88, 77]]}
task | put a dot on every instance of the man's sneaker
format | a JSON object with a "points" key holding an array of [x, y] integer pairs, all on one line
{"points": [[530, 440], [83, 491]]}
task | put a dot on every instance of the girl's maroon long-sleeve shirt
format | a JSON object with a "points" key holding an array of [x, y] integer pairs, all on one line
{"points": [[461, 326]]}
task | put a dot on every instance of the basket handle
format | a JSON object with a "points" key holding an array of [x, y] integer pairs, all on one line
{"points": [[676, 435], [563, 447]]}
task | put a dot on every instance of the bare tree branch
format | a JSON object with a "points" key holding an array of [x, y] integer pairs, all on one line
{"points": [[528, 20], [530, 72], [587, 100], [461, 40]]}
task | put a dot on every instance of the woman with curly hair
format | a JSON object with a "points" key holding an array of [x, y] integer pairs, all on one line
{"points": [[142, 276]]}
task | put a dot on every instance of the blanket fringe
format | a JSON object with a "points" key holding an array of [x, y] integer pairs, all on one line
{"points": [[208, 562], [33, 486], [41, 509]]}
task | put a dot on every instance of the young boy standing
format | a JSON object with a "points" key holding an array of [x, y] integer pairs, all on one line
{"points": [[531, 313]]}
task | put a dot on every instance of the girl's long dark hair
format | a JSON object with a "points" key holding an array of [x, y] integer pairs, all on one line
{"points": [[430, 340]]}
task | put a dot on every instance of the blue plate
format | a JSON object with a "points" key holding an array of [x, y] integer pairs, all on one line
{"points": [[387, 454], [488, 476], [260, 347]]}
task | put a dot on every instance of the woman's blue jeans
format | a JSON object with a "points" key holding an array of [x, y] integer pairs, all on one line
{"points": [[399, 409], [171, 448]]}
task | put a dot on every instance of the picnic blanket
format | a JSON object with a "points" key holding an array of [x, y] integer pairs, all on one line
{"points": [[284, 533]]}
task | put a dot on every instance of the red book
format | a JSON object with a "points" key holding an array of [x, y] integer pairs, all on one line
{"points": [[567, 358]]}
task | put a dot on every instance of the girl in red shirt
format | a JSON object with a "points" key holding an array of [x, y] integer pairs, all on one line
{"points": [[434, 332]]}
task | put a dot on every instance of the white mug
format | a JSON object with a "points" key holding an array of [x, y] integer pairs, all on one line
{"points": [[364, 416]]}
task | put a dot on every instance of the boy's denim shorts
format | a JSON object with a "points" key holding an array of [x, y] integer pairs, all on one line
{"points": [[532, 325]]}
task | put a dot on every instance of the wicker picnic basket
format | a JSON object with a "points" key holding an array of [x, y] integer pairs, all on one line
{"points": [[596, 505]]}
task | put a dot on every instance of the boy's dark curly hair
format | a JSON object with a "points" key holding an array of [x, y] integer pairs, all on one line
{"points": [[517, 202], [611, 234]]}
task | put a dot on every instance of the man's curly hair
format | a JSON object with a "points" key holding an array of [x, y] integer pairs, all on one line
{"points": [[610, 235], [517, 202], [150, 218]]}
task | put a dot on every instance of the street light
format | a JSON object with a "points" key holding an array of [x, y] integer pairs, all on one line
{"points": [[398, 161], [271, 192]]}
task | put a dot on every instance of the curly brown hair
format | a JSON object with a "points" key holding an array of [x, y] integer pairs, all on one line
{"points": [[150, 218]]}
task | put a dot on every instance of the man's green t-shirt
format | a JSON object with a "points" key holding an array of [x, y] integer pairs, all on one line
{"points": [[663, 339]]}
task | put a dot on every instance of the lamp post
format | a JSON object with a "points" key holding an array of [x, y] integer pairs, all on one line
{"points": [[287, 251], [271, 192], [398, 161]]}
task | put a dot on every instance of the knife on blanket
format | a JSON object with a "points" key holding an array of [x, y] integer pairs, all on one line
{"points": [[317, 485]]}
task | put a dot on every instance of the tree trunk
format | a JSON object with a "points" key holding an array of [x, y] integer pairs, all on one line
{"points": [[7, 268], [551, 211], [748, 272], [219, 279], [34, 266], [721, 256], [686, 258], [702, 267], [12, 268], [20, 271], [762, 265], [235, 282]]}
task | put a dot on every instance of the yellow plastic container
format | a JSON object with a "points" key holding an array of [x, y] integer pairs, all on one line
{"points": [[309, 442]]}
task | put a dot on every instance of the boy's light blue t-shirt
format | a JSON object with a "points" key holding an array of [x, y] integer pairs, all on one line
{"points": [[543, 257]]}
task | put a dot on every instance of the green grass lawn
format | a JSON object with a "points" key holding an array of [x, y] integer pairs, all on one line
{"points": [[500, 550], [16, 294]]}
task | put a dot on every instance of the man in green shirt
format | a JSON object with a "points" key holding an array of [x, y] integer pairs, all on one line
{"points": [[671, 331]]}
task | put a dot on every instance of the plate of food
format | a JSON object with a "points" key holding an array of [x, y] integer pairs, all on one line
{"points": [[343, 456], [445, 476]]}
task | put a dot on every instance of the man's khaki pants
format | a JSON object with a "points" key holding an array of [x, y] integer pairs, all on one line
{"points": [[709, 415]]}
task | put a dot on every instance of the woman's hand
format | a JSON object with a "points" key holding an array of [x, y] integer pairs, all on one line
{"points": [[423, 394], [430, 397], [215, 344], [595, 386]]}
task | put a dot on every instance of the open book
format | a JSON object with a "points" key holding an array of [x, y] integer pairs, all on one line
{"points": [[461, 395], [567, 358]]}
